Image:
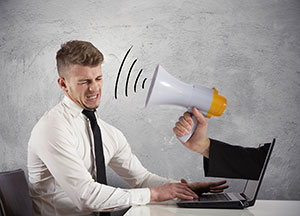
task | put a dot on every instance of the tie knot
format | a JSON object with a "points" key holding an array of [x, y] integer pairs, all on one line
{"points": [[90, 115]]}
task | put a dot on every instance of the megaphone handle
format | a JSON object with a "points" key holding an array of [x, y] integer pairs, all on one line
{"points": [[186, 137]]}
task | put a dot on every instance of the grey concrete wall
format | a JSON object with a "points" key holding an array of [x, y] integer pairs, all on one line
{"points": [[249, 50]]}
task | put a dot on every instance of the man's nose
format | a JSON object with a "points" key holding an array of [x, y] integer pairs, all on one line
{"points": [[93, 87]]}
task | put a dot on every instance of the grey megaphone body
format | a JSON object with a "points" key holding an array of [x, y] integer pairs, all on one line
{"points": [[166, 89]]}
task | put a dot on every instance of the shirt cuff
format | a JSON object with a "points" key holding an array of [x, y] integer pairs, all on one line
{"points": [[140, 196]]}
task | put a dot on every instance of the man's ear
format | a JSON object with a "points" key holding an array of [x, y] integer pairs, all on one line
{"points": [[62, 83]]}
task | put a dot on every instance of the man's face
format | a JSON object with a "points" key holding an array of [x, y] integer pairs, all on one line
{"points": [[83, 85]]}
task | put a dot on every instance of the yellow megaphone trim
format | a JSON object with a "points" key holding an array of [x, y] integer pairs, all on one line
{"points": [[218, 104]]}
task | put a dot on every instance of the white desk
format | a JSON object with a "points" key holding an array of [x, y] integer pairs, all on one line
{"points": [[261, 208]]}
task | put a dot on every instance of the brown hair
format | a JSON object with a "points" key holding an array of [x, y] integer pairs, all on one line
{"points": [[77, 52]]}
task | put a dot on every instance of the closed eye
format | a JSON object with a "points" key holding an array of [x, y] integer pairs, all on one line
{"points": [[83, 81]]}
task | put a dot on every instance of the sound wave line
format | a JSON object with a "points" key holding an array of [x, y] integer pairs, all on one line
{"points": [[127, 80], [136, 80], [143, 86], [120, 69]]}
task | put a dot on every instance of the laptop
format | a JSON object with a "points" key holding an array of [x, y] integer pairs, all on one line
{"points": [[231, 200]]}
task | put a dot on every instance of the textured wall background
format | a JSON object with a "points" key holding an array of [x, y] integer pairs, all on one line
{"points": [[249, 50]]}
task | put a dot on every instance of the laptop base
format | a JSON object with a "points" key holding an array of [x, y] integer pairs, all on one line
{"points": [[215, 205]]}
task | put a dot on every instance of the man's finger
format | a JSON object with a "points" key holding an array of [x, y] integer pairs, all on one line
{"points": [[185, 120], [184, 187], [181, 129], [190, 190], [216, 191], [219, 187], [185, 192], [178, 132], [199, 116], [188, 118], [183, 181], [185, 197], [183, 126], [214, 184]]}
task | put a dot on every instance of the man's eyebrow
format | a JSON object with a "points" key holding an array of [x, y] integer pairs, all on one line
{"points": [[84, 79], [87, 79]]}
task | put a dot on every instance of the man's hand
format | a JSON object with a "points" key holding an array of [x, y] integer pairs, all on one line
{"points": [[205, 187], [171, 191], [198, 142]]}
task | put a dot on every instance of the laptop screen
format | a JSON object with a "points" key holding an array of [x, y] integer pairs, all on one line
{"points": [[252, 186]]}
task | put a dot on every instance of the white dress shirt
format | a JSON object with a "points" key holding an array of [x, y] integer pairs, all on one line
{"points": [[61, 165]]}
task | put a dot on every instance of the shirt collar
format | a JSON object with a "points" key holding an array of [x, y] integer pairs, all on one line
{"points": [[74, 108]]}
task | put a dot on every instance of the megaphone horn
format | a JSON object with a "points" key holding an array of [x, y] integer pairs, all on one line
{"points": [[166, 89]]}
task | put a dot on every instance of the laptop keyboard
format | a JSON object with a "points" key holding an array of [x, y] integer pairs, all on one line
{"points": [[213, 197]]}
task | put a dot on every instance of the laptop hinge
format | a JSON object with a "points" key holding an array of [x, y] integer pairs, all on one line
{"points": [[245, 200], [245, 203]]}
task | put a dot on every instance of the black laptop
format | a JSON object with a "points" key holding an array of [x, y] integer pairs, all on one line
{"points": [[231, 200]]}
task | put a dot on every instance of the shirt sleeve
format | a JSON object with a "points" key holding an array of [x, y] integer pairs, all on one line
{"points": [[53, 142], [233, 161], [129, 167]]}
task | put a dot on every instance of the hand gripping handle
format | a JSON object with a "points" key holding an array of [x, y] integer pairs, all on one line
{"points": [[185, 138]]}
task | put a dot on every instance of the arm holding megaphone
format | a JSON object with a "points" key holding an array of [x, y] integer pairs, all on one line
{"points": [[220, 159], [198, 142]]}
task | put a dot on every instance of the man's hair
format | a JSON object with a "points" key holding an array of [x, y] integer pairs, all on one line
{"points": [[77, 52]]}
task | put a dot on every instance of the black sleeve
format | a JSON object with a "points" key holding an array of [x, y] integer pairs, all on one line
{"points": [[230, 161]]}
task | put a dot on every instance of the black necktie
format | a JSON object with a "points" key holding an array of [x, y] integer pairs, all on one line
{"points": [[100, 163]]}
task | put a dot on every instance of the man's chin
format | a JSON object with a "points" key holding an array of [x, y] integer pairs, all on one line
{"points": [[91, 107]]}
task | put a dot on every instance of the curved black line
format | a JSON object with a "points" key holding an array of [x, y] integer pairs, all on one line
{"points": [[143, 86], [120, 69], [127, 80], [137, 78]]}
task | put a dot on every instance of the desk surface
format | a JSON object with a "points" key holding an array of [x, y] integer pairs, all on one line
{"points": [[261, 208]]}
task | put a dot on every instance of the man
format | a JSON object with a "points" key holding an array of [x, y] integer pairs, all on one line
{"points": [[70, 146], [221, 159]]}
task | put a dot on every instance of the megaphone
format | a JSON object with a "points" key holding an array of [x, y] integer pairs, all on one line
{"points": [[166, 89]]}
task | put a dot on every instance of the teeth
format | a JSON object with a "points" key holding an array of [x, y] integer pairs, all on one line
{"points": [[92, 97]]}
